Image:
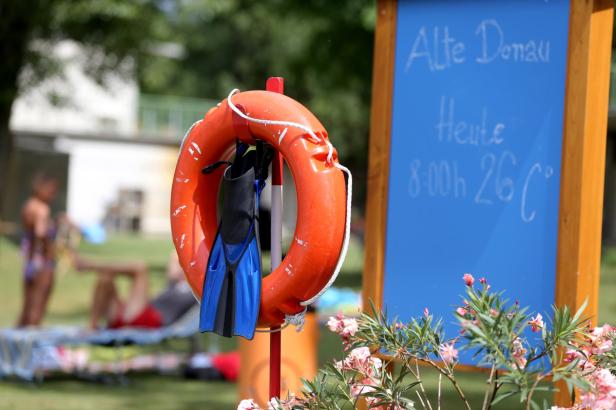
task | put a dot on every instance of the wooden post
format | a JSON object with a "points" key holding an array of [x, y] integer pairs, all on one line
{"points": [[378, 159], [581, 191]]}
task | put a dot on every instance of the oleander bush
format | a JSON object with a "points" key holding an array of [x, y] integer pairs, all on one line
{"points": [[524, 353]]}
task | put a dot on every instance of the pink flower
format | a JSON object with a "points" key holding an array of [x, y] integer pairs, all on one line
{"points": [[356, 389], [275, 404], [520, 361], [483, 281], [332, 324], [468, 279], [426, 312], [374, 367], [448, 353], [361, 361], [345, 327], [601, 339], [359, 355], [519, 353], [287, 404], [461, 311], [603, 331], [603, 394], [349, 327], [571, 355], [248, 404], [536, 324]]}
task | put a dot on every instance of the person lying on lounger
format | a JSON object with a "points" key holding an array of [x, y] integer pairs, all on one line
{"points": [[137, 309]]}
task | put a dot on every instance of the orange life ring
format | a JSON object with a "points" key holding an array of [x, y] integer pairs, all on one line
{"points": [[321, 197]]}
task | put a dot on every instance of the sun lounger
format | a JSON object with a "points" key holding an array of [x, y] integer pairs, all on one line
{"points": [[28, 352]]}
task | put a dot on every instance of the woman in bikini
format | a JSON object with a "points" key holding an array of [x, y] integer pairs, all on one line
{"points": [[38, 250]]}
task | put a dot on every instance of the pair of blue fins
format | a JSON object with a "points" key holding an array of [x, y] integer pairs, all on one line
{"points": [[232, 287]]}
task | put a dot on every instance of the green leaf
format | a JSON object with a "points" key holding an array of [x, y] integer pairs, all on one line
{"points": [[502, 396]]}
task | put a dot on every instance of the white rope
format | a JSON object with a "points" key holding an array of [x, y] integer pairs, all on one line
{"points": [[279, 328], [345, 242], [316, 139], [298, 319], [188, 132]]}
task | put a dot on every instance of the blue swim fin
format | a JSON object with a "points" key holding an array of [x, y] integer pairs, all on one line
{"points": [[232, 287]]}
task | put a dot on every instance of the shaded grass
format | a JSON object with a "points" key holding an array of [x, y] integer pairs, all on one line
{"points": [[143, 392]]}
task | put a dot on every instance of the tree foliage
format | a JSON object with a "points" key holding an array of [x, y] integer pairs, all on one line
{"points": [[115, 34], [322, 48]]}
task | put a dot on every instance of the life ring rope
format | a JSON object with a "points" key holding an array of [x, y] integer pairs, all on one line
{"points": [[298, 318], [330, 147]]}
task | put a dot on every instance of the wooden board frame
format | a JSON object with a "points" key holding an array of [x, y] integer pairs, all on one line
{"points": [[583, 156]]}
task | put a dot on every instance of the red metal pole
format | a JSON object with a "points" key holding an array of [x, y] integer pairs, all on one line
{"points": [[276, 84]]}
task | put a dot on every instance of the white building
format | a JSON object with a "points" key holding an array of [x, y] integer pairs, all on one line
{"points": [[115, 174]]}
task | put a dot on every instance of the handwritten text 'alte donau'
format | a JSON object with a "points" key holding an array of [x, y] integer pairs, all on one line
{"points": [[439, 49]]}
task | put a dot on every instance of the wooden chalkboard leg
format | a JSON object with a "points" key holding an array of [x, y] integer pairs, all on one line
{"points": [[581, 201]]}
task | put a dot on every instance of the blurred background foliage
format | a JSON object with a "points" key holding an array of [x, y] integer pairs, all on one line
{"points": [[115, 35], [205, 48]]}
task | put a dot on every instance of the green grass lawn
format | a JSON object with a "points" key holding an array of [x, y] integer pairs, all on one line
{"points": [[70, 305]]}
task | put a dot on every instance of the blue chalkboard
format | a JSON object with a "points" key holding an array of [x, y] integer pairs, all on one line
{"points": [[476, 143]]}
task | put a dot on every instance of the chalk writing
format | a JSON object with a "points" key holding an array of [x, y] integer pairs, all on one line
{"points": [[444, 178], [438, 49], [451, 129]]}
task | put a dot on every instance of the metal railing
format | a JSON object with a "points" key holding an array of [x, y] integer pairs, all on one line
{"points": [[170, 116]]}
